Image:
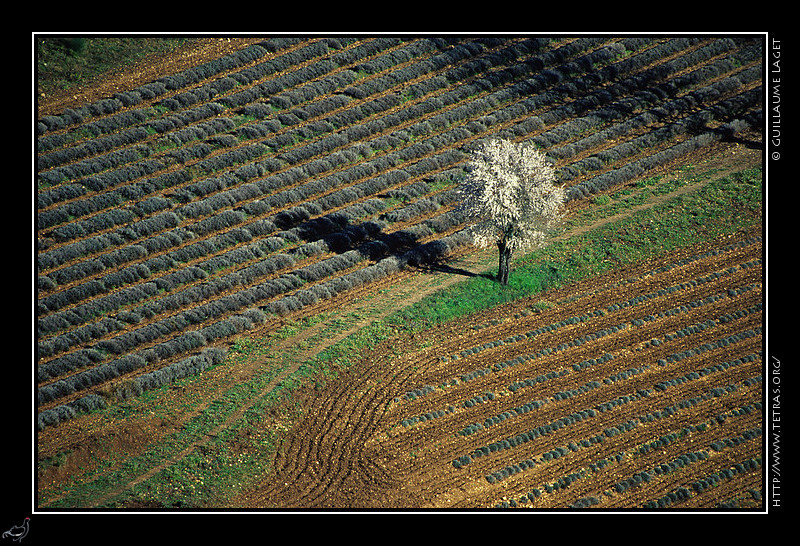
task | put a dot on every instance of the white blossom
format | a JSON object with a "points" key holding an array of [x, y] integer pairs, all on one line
{"points": [[509, 197]]}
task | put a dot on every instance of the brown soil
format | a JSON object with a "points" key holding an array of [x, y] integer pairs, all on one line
{"points": [[350, 451]]}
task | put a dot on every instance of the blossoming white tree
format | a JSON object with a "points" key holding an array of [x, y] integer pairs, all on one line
{"points": [[510, 195]]}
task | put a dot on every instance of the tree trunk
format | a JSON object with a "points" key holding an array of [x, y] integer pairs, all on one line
{"points": [[505, 262]]}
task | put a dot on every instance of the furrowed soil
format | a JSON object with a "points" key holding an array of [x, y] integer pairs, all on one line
{"points": [[350, 449]]}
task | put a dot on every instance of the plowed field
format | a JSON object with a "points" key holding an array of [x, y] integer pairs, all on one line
{"points": [[221, 233], [435, 427]]}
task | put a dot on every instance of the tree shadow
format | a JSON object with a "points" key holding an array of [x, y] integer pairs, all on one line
{"points": [[748, 143], [728, 134], [443, 267], [340, 234]]}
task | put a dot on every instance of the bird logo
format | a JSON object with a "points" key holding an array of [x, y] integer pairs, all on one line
{"points": [[18, 532]]}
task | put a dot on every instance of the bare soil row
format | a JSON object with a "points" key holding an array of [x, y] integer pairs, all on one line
{"points": [[352, 450]]}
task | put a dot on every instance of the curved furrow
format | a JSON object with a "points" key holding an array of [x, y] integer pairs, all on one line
{"points": [[325, 450]]}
